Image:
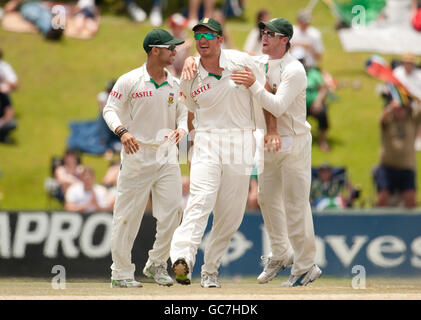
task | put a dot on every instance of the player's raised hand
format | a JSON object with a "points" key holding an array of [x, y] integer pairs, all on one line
{"points": [[244, 77], [189, 69], [130, 143]]}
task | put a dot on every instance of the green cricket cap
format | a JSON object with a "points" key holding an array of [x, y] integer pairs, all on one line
{"points": [[159, 37], [279, 25], [209, 23]]}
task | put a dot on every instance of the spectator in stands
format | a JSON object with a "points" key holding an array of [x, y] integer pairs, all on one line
{"points": [[194, 8], [234, 8], [178, 24], [416, 14], [316, 96], [397, 169], [219, 16], [410, 76], [253, 44], [139, 15], [8, 77], [328, 191], [8, 83], [36, 13], [88, 196], [308, 38], [109, 181], [69, 172], [7, 118], [83, 21]]}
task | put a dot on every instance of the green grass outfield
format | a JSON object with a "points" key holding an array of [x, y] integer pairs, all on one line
{"points": [[59, 83], [247, 288]]}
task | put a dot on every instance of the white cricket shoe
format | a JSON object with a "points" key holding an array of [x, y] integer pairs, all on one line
{"points": [[155, 17], [136, 13], [159, 274], [209, 280], [182, 271], [127, 283], [303, 279], [272, 267]]}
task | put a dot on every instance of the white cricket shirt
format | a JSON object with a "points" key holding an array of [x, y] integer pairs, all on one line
{"points": [[149, 112], [288, 105], [220, 103], [7, 73]]}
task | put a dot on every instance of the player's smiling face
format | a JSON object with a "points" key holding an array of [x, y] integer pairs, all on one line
{"points": [[208, 48]]}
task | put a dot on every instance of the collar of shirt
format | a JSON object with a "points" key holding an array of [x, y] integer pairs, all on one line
{"points": [[203, 73], [146, 77], [287, 58]]}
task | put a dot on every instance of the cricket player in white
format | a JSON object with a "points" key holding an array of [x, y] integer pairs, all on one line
{"points": [[284, 185], [143, 109], [224, 146]]}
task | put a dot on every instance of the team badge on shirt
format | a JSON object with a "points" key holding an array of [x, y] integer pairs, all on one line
{"points": [[274, 89], [171, 98]]}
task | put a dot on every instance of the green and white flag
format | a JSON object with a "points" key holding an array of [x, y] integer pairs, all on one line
{"points": [[346, 10]]}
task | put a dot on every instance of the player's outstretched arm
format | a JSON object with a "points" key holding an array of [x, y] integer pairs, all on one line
{"points": [[292, 84]]}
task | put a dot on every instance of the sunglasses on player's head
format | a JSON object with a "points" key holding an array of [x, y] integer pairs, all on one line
{"points": [[270, 34], [170, 47], [207, 36]]}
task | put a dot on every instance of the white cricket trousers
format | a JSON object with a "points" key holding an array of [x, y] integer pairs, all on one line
{"points": [[140, 174], [283, 195], [219, 183]]}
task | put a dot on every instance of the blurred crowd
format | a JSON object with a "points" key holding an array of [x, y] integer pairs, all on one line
{"points": [[400, 130], [73, 183], [81, 19]]}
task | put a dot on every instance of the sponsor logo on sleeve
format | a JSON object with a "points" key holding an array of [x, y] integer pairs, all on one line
{"points": [[115, 94], [200, 90]]}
